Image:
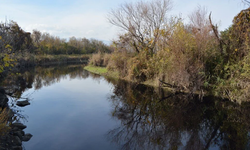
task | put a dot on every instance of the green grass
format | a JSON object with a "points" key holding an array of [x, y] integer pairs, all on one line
{"points": [[102, 71], [115, 75], [96, 70]]}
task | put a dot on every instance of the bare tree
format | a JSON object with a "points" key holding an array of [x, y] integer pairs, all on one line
{"points": [[142, 21], [201, 29], [204, 43], [246, 2], [36, 36], [199, 18]]}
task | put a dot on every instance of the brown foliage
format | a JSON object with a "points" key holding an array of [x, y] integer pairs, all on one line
{"points": [[96, 59], [118, 61], [106, 58], [3, 122]]}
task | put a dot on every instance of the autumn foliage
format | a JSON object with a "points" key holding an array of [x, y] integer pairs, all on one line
{"points": [[193, 57]]}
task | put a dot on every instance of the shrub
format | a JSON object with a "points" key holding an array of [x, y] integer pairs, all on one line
{"points": [[96, 59], [118, 62], [106, 59], [137, 67]]}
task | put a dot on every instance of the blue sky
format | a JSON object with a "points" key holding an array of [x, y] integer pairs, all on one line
{"points": [[87, 18]]}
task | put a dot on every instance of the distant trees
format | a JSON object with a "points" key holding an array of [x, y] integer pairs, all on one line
{"points": [[49, 44], [14, 39], [15, 44]]}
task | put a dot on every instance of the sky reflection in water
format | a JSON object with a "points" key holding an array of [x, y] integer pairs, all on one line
{"points": [[71, 114]]}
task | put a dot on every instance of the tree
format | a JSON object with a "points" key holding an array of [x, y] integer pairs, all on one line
{"points": [[201, 29], [142, 21], [241, 32], [12, 40], [21, 40], [36, 36], [12, 34]]}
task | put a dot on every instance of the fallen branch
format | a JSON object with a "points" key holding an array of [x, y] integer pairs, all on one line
{"points": [[170, 85]]}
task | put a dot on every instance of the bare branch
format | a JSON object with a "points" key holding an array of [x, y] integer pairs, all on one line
{"points": [[215, 30], [247, 2], [142, 21]]}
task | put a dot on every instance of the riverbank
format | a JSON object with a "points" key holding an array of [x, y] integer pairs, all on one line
{"points": [[12, 132], [114, 74], [102, 71], [26, 60], [45, 60]]}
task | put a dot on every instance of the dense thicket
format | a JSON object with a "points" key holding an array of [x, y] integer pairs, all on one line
{"points": [[192, 56]]}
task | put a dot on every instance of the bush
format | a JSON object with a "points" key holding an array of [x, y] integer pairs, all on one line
{"points": [[100, 60], [137, 68], [96, 59], [118, 62], [106, 59]]}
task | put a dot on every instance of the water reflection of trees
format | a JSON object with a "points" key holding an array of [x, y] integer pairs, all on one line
{"points": [[147, 120], [16, 84], [49, 76], [178, 122]]}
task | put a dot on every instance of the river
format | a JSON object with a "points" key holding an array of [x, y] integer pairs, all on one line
{"points": [[72, 109]]}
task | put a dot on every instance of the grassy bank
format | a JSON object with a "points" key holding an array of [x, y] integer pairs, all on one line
{"points": [[102, 71], [114, 74]]}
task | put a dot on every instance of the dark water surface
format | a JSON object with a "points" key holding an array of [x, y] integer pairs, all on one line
{"points": [[72, 109], [69, 111]]}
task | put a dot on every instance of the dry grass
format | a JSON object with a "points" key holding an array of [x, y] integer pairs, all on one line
{"points": [[3, 122], [106, 59], [100, 59], [118, 62], [96, 59]]}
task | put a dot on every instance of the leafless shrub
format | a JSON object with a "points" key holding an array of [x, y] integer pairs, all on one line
{"points": [[106, 59], [96, 59]]}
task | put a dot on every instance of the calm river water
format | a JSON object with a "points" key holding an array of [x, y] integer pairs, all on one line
{"points": [[72, 109]]}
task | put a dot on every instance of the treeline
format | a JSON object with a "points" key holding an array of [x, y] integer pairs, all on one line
{"points": [[193, 57], [14, 38], [21, 48], [45, 43]]}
